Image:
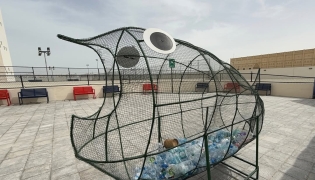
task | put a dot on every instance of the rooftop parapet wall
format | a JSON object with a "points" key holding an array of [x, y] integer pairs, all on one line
{"points": [[64, 93]]}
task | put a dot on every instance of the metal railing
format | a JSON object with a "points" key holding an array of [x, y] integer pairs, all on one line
{"points": [[24, 77], [25, 70], [35, 71]]}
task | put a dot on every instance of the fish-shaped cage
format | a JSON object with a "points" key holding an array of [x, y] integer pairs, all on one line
{"points": [[179, 109]]}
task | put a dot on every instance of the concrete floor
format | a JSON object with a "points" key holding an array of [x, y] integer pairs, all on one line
{"points": [[35, 142]]}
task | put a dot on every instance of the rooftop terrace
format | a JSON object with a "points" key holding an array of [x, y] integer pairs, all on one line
{"points": [[35, 142]]}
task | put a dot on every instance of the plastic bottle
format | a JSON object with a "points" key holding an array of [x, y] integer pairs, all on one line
{"points": [[240, 138], [221, 134], [171, 158], [235, 132], [161, 170], [194, 142], [224, 145], [180, 152], [148, 172], [213, 153], [137, 173], [193, 153], [161, 156], [232, 149], [212, 137], [184, 168], [170, 171], [160, 147], [181, 140], [198, 141], [178, 170], [152, 167]]}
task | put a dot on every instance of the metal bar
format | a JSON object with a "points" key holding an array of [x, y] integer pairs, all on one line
{"points": [[251, 174], [257, 133], [239, 171], [207, 147], [207, 156], [46, 65], [22, 82], [159, 129], [172, 79], [243, 160], [259, 76], [33, 73], [99, 76]]}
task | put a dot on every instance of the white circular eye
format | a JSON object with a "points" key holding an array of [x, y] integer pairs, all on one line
{"points": [[159, 41], [128, 57]]}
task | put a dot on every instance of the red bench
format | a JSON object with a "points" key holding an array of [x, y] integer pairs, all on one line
{"points": [[148, 87], [231, 86], [82, 90], [4, 94]]}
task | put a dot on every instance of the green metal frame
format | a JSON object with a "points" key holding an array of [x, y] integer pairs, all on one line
{"points": [[112, 42]]}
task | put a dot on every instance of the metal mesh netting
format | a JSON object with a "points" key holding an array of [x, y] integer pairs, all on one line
{"points": [[200, 103]]}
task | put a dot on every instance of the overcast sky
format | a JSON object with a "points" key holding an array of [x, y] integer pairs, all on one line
{"points": [[228, 29]]}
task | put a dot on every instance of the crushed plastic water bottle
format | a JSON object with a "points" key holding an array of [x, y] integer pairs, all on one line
{"points": [[172, 158], [185, 167], [178, 170], [239, 138], [137, 173], [183, 159], [233, 148], [193, 153], [160, 147], [181, 140], [180, 152], [149, 172]]}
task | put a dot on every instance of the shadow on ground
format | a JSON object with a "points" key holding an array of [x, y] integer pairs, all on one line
{"points": [[309, 102], [304, 165], [219, 172]]}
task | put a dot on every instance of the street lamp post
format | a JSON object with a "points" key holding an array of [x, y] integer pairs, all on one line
{"points": [[48, 54], [52, 74], [98, 71], [87, 76], [87, 65]]}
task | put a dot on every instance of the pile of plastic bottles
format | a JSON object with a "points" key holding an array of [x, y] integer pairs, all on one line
{"points": [[183, 160]]}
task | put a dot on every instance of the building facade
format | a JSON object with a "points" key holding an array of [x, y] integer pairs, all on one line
{"points": [[289, 59], [6, 73]]}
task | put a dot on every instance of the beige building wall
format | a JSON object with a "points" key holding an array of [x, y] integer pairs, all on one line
{"points": [[5, 57], [301, 58], [308, 71]]}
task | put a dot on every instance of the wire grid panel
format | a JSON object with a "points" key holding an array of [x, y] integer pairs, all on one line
{"points": [[125, 137]]}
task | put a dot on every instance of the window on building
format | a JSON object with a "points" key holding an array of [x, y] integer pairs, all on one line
{"points": [[250, 68], [243, 68]]}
